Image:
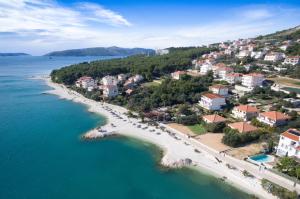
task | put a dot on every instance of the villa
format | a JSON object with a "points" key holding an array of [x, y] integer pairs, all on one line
{"points": [[177, 74], [273, 118], [274, 56], [86, 82], [213, 119], [244, 53], [211, 101], [289, 143], [205, 68], [221, 72], [219, 89], [242, 127], [109, 80], [244, 112], [110, 91], [292, 60], [252, 80], [233, 78]]}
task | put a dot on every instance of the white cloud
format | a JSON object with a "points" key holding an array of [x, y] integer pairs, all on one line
{"points": [[257, 14]]}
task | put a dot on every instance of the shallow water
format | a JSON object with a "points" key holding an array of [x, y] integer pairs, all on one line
{"points": [[42, 156]]}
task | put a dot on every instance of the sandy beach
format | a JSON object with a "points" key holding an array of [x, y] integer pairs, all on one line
{"points": [[179, 149]]}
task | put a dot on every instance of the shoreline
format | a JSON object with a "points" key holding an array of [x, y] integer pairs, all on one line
{"points": [[178, 151]]}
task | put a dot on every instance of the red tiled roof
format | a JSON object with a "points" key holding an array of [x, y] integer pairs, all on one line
{"points": [[247, 108], [255, 75], [212, 95], [275, 115], [234, 75], [214, 118], [242, 127], [217, 86], [290, 135]]}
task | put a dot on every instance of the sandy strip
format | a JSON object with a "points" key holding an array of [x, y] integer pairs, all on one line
{"points": [[176, 148]]}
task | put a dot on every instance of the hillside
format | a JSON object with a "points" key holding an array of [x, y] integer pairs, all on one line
{"points": [[13, 54], [102, 51], [289, 34]]}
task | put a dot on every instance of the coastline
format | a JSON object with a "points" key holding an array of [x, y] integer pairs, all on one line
{"points": [[175, 150]]}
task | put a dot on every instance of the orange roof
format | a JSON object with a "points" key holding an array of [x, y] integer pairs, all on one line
{"points": [[234, 74], [292, 134], [179, 72], [214, 118], [218, 86], [247, 108], [225, 69], [242, 127], [275, 115], [212, 95], [255, 75]]}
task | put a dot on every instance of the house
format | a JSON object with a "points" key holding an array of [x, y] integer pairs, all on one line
{"points": [[110, 91], [122, 77], [243, 127], [109, 80], [211, 101], [289, 143], [257, 54], [274, 56], [228, 51], [292, 60], [219, 89], [205, 68], [138, 78], [244, 112], [233, 78], [284, 47], [273, 118], [293, 101], [129, 91], [221, 72], [243, 53], [252, 80], [177, 74], [213, 119], [85, 82], [162, 51]]}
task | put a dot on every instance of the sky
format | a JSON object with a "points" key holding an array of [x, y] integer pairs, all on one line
{"points": [[41, 26]]}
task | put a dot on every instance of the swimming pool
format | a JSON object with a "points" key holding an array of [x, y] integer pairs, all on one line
{"points": [[262, 158]]}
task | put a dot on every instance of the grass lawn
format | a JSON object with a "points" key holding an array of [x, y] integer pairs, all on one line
{"points": [[197, 129], [150, 84]]}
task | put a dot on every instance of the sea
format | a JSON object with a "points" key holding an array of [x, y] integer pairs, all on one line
{"points": [[43, 157]]}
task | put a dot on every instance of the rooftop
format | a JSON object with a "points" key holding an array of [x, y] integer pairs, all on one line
{"points": [[212, 95], [275, 115], [292, 134], [214, 118], [242, 127], [247, 108]]}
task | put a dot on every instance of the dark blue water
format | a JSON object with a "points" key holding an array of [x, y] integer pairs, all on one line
{"points": [[42, 156]]}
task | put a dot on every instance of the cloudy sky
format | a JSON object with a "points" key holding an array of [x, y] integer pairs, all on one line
{"points": [[40, 26]]}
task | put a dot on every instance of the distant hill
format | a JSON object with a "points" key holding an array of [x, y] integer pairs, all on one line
{"points": [[289, 34], [13, 54], [102, 51]]}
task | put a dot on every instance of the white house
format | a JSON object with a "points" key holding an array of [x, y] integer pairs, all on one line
{"points": [[273, 118], [233, 78], [219, 89], [221, 72], [289, 143], [110, 91], [138, 78], [252, 80], [162, 51], [177, 74], [293, 60], [205, 68], [122, 77], [244, 112], [274, 56], [244, 53], [109, 80], [257, 54], [212, 101], [228, 51], [85, 82]]}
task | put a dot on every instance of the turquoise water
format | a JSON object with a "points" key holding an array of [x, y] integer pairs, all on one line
{"points": [[42, 156], [262, 158]]}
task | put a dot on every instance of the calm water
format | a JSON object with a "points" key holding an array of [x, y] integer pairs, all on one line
{"points": [[41, 155]]}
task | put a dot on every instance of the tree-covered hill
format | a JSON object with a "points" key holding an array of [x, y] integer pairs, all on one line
{"points": [[148, 66], [102, 51]]}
